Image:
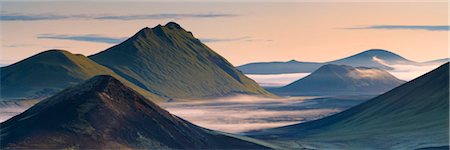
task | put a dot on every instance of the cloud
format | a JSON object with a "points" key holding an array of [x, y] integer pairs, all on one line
{"points": [[38, 17], [19, 45], [276, 80], [407, 72], [243, 113], [406, 27], [85, 38]]}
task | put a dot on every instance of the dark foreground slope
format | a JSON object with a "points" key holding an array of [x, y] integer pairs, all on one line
{"points": [[341, 80], [412, 116], [102, 113], [51, 71], [171, 61]]}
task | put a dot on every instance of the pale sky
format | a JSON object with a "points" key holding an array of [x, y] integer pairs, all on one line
{"points": [[242, 32]]}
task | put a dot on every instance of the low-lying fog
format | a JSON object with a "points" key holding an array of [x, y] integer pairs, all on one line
{"points": [[276, 80], [237, 113], [244, 113], [11, 108]]}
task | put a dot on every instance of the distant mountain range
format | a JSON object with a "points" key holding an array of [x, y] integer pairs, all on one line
{"points": [[414, 115], [371, 58], [103, 113], [341, 80], [166, 61]]}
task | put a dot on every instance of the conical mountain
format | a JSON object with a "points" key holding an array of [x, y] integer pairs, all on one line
{"points": [[102, 113], [49, 72], [414, 115], [333, 79], [171, 61]]}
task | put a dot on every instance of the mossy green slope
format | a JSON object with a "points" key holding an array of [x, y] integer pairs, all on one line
{"points": [[51, 71], [171, 61], [412, 116]]}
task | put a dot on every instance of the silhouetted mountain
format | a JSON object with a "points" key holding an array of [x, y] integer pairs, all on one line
{"points": [[371, 58], [102, 113], [171, 61], [412, 116], [49, 72], [341, 80]]}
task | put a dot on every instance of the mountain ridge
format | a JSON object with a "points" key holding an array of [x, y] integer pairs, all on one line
{"points": [[378, 58]]}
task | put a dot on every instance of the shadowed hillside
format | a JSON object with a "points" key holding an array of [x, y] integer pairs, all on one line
{"points": [[412, 116], [102, 113], [171, 61]]}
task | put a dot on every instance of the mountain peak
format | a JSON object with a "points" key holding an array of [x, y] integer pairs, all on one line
{"points": [[102, 82], [54, 52], [334, 67], [173, 25], [161, 28], [53, 56], [378, 52], [293, 61]]}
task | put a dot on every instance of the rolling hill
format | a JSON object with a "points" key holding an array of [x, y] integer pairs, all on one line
{"points": [[341, 80], [102, 113], [51, 71], [414, 115], [172, 62], [368, 58]]}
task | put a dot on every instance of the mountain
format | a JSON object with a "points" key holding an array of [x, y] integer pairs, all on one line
{"points": [[414, 115], [103, 113], [291, 66], [171, 61], [341, 80], [49, 72], [370, 58]]}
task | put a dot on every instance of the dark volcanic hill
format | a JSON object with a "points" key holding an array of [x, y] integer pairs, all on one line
{"points": [[171, 61], [49, 72], [341, 80], [414, 115], [370, 58], [102, 113]]}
